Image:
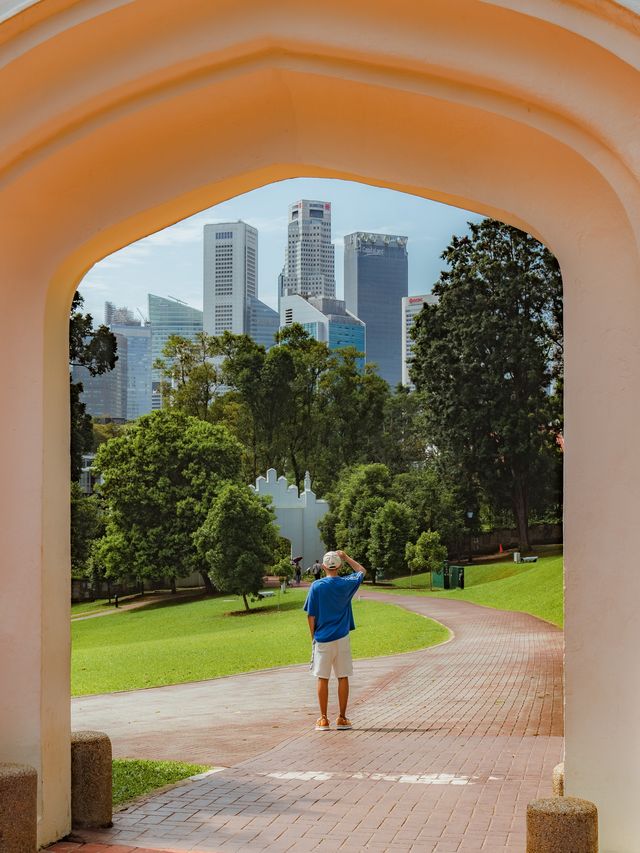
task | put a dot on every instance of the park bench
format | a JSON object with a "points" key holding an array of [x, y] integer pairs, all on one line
{"points": [[266, 594]]}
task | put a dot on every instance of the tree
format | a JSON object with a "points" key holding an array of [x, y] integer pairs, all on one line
{"points": [[349, 415], [96, 350], [356, 497], [308, 361], [237, 541], [404, 445], [434, 502], [160, 478], [86, 526], [427, 553], [391, 528], [262, 383], [488, 358], [192, 378]]}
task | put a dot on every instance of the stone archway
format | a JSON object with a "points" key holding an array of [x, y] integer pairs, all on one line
{"points": [[122, 117]]}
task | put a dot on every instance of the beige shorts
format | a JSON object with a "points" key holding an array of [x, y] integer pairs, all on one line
{"points": [[335, 655]]}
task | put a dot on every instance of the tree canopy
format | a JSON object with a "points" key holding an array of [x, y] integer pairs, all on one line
{"points": [[159, 480], [238, 540], [488, 360]]}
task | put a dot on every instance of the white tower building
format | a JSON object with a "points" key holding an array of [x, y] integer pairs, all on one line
{"points": [[411, 307], [230, 276], [309, 266]]}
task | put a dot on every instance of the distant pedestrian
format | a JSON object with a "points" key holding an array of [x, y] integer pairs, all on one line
{"points": [[297, 570], [317, 570], [330, 617]]}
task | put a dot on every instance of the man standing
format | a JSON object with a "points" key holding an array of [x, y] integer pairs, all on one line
{"points": [[330, 616]]}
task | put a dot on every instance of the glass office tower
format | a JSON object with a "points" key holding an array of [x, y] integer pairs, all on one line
{"points": [[375, 281]]}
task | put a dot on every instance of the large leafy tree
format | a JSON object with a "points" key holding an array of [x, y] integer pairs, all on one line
{"points": [[434, 502], [96, 350], [238, 540], [488, 359], [391, 528], [192, 378], [159, 480], [354, 501], [86, 526], [349, 416]]}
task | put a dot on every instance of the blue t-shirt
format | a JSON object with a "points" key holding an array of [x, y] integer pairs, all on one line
{"points": [[329, 600]]}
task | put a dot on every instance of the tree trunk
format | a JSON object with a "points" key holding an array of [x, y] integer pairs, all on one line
{"points": [[173, 586], [246, 603], [520, 500], [208, 586]]}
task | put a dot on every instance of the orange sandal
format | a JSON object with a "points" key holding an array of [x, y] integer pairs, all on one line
{"points": [[343, 724], [323, 724]]}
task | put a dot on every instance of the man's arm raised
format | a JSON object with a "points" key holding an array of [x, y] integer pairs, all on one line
{"points": [[354, 565]]}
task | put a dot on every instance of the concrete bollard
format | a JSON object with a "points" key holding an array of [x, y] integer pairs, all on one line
{"points": [[91, 797], [562, 825], [18, 808], [558, 780]]}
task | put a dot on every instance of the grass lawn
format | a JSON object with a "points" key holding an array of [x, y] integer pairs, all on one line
{"points": [[84, 608], [535, 588], [133, 778], [189, 641]]}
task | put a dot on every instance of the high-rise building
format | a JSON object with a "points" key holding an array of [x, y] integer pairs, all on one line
{"points": [[123, 322], [105, 395], [411, 307], [262, 322], [169, 316], [138, 339], [230, 275], [309, 265], [122, 316], [325, 320], [375, 281], [230, 284]]}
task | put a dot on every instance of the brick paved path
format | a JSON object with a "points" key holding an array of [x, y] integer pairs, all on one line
{"points": [[443, 759]]}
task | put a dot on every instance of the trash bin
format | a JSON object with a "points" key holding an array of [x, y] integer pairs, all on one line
{"points": [[456, 577]]}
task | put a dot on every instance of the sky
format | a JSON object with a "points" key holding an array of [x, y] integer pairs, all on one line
{"points": [[169, 262]]}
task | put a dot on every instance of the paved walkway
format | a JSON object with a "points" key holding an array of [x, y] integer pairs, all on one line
{"points": [[449, 746]]}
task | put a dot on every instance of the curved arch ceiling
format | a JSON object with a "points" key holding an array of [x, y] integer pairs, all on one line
{"points": [[9, 8]]}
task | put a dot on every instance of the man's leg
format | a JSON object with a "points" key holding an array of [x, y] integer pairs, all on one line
{"points": [[343, 695], [323, 695]]}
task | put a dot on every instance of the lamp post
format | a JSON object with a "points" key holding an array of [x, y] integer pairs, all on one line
{"points": [[470, 513]]}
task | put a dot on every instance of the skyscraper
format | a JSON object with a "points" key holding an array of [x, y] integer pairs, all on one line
{"points": [[122, 321], [325, 320], [375, 281], [309, 265], [105, 395], [123, 316], [138, 339], [411, 307], [169, 316], [230, 284]]}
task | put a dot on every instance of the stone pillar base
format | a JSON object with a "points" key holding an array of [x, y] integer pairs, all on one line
{"points": [[558, 780], [18, 808], [562, 825], [91, 798]]}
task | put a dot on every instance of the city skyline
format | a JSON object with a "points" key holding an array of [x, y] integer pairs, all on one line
{"points": [[169, 263]]}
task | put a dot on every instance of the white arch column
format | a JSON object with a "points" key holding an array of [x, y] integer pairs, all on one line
{"points": [[34, 552]]}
